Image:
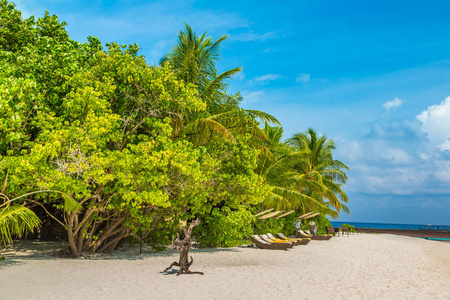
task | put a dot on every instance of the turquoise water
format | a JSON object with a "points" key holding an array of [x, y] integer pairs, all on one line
{"points": [[392, 225], [436, 239]]}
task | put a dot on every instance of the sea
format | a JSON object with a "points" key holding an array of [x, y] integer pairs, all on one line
{"points": [[392, 225]]}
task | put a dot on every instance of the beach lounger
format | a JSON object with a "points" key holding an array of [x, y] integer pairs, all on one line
{"points": [[330, 230], [294, 242], [323, 236], [267, 245], [312, 237], [264, 237], [302, 241], [345, 230]]}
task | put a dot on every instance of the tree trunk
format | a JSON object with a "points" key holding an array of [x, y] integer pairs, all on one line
{"points": [[183, 247]]}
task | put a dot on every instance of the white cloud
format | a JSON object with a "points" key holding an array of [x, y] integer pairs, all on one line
{"points": [[436, 123], [254, 37], [381, 165], [303, 78], [393, 104], [252, 97], [445, 146], [264, 79]]}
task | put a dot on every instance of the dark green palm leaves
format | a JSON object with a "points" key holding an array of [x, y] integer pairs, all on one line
{"points": [[305, 166], [194, 61]]}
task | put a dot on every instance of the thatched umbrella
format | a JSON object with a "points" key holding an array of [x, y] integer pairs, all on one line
{"points": [[311, 216], [305, 215], [270, 215], [261, 213], [285, 214]]}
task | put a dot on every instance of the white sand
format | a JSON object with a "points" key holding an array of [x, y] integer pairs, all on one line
{"points": [[355, 267]]}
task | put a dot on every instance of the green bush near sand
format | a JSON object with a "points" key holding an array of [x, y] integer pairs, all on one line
{"points": [[351, 228]]}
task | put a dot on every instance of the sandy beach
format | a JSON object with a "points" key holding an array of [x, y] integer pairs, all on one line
{"points": [[356, 267]]}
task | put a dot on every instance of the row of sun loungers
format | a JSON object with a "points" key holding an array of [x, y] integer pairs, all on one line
{"points": [[307, 234], [281, 242]]}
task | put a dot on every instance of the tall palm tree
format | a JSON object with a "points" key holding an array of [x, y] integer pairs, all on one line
{"points": [[287, 184], [317, 164], [304, 175], [194, 60]]}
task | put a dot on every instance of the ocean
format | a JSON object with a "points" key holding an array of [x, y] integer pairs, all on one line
{"points": [[392, 225]]}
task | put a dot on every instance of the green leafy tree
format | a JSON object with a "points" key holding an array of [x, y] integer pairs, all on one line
{"points": [[233, 190], [115, 161]]}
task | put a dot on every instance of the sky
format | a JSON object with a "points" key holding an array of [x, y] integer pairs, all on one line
{"points": [[372, 75]]}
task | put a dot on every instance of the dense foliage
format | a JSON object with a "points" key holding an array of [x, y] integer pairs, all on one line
{"points": [[140, 149]]}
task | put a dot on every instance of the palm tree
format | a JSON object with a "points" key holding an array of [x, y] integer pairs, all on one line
{"points": [[287, 184], [317, 164], [303, 174], [194, 60], [17, 220]]}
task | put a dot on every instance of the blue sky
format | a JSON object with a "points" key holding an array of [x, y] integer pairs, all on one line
{"points": [[372, 75]]}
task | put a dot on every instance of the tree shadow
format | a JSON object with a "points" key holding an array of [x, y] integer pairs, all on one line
{"points": [[171, 272], [23, 250]]}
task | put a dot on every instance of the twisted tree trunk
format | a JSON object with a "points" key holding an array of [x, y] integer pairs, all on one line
{"points": [[183, 247]]}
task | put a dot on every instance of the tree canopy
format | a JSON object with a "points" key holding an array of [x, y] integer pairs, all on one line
{"points": [[139, 149]]}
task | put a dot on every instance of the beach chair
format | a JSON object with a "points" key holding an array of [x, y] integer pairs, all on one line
{"points": [[302, 241], [266, 245], [264, 237], [312, 237], [345, 230], [337, 231], [322, 236], [330, 230], [295, 242]]}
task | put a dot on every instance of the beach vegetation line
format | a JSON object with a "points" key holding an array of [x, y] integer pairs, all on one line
{"points": [[140, 150]]}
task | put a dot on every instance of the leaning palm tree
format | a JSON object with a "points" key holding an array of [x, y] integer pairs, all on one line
{"points": [[317, 164], [304, 176], [16, 220], [287, 184]]}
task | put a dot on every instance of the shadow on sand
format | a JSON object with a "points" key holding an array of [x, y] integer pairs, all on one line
{"points": [[23, 250]]}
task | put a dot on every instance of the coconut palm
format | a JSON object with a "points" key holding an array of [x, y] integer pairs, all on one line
{"points": [[287, 184], [17, 220], [304, 175], [194, 60], [317, 164]]}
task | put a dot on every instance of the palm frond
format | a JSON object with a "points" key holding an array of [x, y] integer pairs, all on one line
{"points": [[16, 220], [286, 198], [203, 130], [70, 205]]}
